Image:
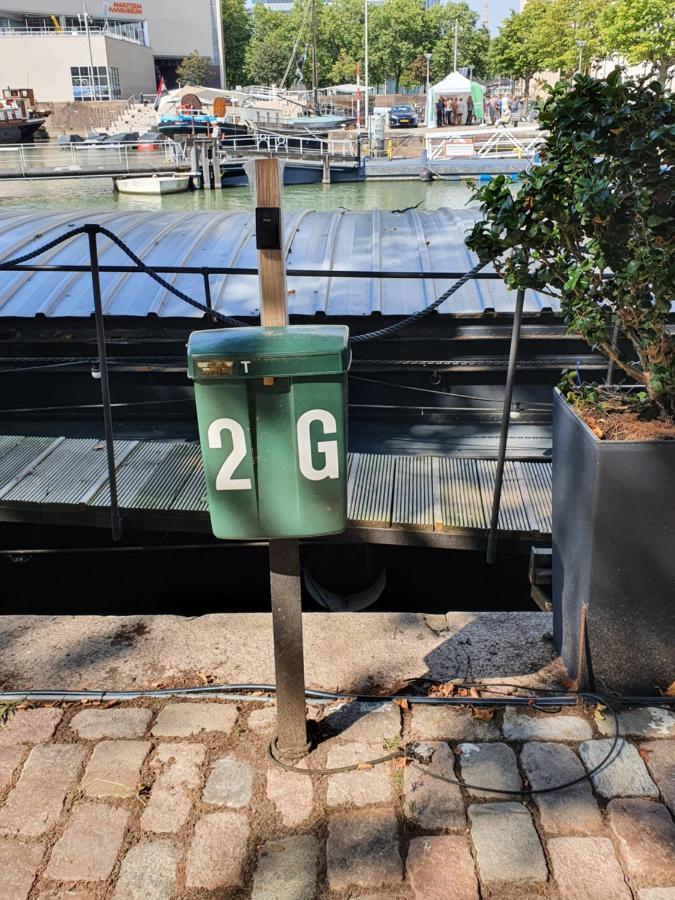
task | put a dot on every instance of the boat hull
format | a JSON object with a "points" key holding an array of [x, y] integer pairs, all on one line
{"points": [[154, 185], [235, 176], [21, 131]]}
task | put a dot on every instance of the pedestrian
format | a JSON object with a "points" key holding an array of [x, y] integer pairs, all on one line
{"points": [[446, 111], [440, 111], [469, 110]]}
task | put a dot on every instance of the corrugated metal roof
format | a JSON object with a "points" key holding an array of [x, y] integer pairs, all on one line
{"points": [[418, 241]]}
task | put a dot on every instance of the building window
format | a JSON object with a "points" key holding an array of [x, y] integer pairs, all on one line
{"points": [[105, 84]]}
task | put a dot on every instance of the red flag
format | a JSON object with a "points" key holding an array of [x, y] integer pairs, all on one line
{"points": [[161, 87]]}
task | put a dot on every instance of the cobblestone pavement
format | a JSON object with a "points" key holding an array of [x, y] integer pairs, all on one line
{"points": [[156, 800]]}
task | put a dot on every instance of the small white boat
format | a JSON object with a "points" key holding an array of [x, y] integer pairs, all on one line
{"points": [[153, 184]]}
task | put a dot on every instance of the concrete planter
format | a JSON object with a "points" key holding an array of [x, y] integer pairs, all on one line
{"points": [[613, 557]]}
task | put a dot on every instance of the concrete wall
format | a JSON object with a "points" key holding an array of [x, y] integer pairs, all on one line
{"points": [[43, 63]]}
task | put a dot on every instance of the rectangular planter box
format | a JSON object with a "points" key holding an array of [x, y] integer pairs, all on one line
{"points": [[613, 556]]}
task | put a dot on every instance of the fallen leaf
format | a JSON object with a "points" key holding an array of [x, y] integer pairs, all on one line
{"points": [[400, 762], [484, 713], [597, 713], [569, 684], [644, 754], [670, 690], [403, 702]]}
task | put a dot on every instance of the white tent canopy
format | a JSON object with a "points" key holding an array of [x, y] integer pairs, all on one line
{"points": [[454, 84]]}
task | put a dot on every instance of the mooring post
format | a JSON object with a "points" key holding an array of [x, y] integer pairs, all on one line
{"points": [[326, 167], [504, 431], [206, 166], [217, 179], [284, 555], [115, 519]]}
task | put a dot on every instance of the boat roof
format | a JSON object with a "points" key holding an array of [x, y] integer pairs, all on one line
{"points": [[412, 240]]}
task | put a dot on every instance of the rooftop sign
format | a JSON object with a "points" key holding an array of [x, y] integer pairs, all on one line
{"points": [[123, 7]]}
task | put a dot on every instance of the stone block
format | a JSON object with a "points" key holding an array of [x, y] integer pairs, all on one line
{"points": [[358, 788], [10, 757], [362, 851], [507, 847], [291, 794], [526, 726], [579, 864], [186, 719], [445, 723], [571, 811], [88, 848], [29, 726], [624, 776], [434, 804], [440, 867], [642, 722], [491, 765], [114, 769], [645, 837], [660, 759], [365, 723], [18, 866], [218, 851], [229, 783], [148, 872], [35, 803], [263, 721], [287, 869], [177, 768], [662, 893], [126, 722]]}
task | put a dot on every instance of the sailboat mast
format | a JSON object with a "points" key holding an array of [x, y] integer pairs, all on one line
{"points": [[315, 80]]}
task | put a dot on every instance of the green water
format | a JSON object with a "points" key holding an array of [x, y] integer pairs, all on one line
{"points": [[97, 193]]}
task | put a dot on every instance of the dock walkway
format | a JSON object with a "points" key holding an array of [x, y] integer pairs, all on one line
{"points": [[392, 499]]}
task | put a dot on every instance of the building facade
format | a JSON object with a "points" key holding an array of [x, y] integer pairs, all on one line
{"points": [[120, 48]]}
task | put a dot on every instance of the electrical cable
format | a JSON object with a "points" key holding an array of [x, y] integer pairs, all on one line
{"points": [[448, 394]]}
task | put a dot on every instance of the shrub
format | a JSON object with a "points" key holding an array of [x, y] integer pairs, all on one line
{"points": [[593, 223]]}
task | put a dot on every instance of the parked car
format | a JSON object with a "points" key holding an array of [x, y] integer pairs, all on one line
{"points": [[403, 116]]}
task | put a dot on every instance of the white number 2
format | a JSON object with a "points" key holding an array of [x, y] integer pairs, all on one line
{"points": [[224, 479]]}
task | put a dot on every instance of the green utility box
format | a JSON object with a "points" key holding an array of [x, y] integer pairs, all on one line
{"points": [[271, 406]]}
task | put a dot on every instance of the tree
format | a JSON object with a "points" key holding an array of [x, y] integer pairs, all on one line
{"points": [[594, 223], [473, 41], [195, 70], [236, 35], [399, 32], [642, 30], [517, 52]]}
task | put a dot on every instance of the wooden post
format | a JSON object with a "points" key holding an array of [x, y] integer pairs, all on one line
{"points": [[217, 180], [271, 263], [206, 167], [326, 167]]}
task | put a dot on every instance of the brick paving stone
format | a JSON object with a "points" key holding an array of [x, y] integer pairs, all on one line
{"points": [[10, 757], [69, 893], [645, 836], [571, 811], [186, 719], [507, 846], [218, 851], [177, 768], [440, 867], [95, 724], [429, 802], [625, 776], [358, 788], [29, 726], [366, 723], [35, 803], [114, 769], [229, 783], [362, 850], [287, 869], [492, 765], [580, 864], [291, 794], [443, 723], [525, 726], [88, 848], [18, 867], [662, 893], [660, 759], [148, 872], [263, 721], [643, 722]]}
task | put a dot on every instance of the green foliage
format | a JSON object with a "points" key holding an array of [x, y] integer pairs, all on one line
{"points": [[641, 30], [236, 35], [594, 222], [473, 41], [195, 70]]}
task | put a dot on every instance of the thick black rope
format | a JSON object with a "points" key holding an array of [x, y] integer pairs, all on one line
{"points": [[379, 334]]}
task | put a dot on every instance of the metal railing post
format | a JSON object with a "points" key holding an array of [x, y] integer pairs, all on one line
{"points": [[207, 296], [115, 519], [504, 431]]}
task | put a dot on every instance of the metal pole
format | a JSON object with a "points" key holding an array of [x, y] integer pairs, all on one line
{"points": [[366, 74], [456, 40], [504, 432], [285, 588], [91, 55], [315, 80], [612, 365], [115, 519]]}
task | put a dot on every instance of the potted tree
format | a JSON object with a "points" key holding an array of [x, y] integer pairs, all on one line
{"points": [[593, 224]]}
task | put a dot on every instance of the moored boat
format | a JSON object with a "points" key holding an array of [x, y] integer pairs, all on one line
{"points": [[157, 185]]}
